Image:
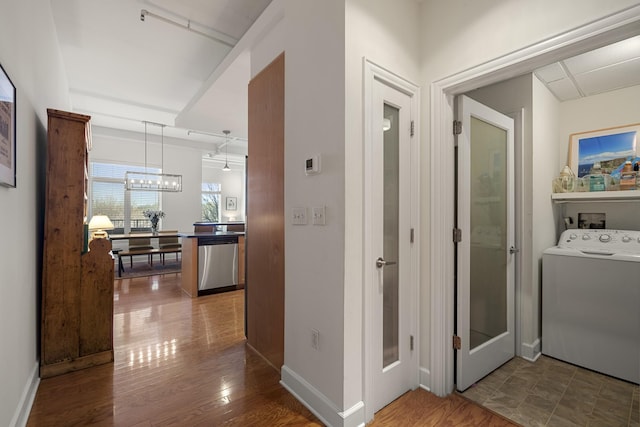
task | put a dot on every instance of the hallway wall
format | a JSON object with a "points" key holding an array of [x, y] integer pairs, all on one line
{"points": [[30, 56]]}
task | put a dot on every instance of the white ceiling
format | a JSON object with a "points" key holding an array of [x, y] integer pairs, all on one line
{"points": [[170, 69], [609, 68], [124, 70]]}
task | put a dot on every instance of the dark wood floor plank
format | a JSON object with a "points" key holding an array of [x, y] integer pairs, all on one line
{"points": [[184, 362]]}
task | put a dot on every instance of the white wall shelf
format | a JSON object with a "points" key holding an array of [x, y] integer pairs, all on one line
{"points": [[597, 196]]}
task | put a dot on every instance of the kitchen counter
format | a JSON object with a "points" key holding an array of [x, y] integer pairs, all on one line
{"points": [[192, 241], [220, 226], [208, 234]]}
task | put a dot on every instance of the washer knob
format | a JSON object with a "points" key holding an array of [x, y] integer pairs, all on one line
{"points": [[626, 239], [573, 236], [604, 238], [586, 237]]}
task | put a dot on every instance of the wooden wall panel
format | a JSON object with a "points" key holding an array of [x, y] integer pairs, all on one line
{"points": [[265, 214], [190, 266], [96, 296]]}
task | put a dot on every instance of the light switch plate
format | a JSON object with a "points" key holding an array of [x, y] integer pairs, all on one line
{"points": [[318, 215], [299, 216]]}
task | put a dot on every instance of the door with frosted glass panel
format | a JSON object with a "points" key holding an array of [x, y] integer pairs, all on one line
{"points": [[485, 263], [390, 264]]}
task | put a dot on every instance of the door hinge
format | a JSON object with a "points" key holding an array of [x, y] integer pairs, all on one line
{"points": [[411, 236], [411, 342], [457, 343], [457, 235], [412, 129], [457, 127]]}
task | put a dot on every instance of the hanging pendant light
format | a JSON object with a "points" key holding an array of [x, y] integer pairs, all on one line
{"points": [[150, 181], [226, 167]]}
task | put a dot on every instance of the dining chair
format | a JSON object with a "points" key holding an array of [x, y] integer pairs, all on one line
{"points": [[141, 244], [169, 243]]}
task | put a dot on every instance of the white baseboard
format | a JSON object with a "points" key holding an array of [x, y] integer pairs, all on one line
{"points": [[530, 352], [26, 400], [425, 379], [318, 403]]}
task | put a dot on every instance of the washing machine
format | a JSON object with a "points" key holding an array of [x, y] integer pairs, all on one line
{"points": [[591, 301]]}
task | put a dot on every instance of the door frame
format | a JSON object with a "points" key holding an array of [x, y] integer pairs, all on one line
{"points": [[373, 72], [599, 33]]}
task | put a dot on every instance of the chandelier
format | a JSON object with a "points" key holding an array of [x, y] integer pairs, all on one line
{"points": [[151, 181]]}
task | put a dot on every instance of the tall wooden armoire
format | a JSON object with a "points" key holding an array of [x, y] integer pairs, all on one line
{"points": [[77, 284]]}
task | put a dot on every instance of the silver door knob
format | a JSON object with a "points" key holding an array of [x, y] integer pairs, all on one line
{"points": [[381, 262], [513, 250]]}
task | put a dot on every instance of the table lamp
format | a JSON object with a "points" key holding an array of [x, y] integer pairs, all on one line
{"points": [[98, 225]]}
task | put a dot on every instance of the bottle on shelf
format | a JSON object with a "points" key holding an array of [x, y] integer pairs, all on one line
{"points": [[628, 177], [596, 179]]}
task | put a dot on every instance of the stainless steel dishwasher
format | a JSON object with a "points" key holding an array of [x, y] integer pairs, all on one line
{"points": [[217, 263]]}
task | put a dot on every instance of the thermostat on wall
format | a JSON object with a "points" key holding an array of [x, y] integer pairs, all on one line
{"points": [[312, 165]]}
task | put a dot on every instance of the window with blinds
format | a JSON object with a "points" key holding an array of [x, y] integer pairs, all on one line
{"points": [[108, 197]]}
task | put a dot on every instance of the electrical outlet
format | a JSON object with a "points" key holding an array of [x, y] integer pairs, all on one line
{"points": [[315, 339], [318, 215]]}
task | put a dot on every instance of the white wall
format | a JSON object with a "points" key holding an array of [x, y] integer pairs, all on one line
{"points": [[267, 48], [30, 56], [324, 116], [314, 125], [617, 108], [546, 166]]}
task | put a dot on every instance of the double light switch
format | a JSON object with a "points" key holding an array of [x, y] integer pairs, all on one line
{"points": [[299, 215]]}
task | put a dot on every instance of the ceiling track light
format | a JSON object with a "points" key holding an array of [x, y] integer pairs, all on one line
{"points": [[144, 13], [151, 181], [231, 139]]}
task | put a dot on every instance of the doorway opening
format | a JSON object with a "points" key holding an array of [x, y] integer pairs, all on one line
{"points": [[594, 35]]}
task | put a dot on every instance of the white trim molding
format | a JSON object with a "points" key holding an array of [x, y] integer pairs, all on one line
{"points": [[318, 403], [530, 352], [425, 379], [609, 29], [26, 399]]}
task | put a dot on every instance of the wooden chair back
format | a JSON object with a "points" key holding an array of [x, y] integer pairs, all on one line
{"points": [[168, 241], [140, 243]]}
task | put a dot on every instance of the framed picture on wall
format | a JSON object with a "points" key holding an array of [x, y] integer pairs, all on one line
{"points": [[7, 130], [232, 203], [604, 150]]}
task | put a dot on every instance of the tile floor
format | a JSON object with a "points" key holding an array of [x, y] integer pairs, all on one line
{"points": [[549, 392]]}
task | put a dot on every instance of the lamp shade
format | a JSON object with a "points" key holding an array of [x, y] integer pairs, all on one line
{"points": [[100, 222]]}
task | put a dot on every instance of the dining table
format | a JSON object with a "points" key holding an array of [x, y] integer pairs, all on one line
{"points": [[127, 236]]}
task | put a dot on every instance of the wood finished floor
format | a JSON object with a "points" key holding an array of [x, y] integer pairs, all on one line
{"points": [[184, 362]]}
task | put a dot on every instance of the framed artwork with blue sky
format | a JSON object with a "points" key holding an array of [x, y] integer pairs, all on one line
{"points": [[610, 148]]}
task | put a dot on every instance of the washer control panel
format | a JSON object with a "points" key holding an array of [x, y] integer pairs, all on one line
{"points": [[601, 241]]}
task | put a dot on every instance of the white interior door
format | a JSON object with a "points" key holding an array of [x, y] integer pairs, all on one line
{"points": [[485, 267], [388, 217]]}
